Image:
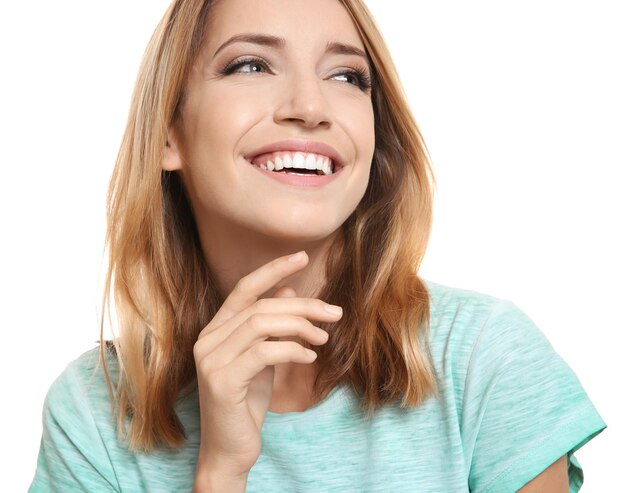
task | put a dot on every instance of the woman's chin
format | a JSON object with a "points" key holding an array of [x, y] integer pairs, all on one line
{"points": [[305, 232]]}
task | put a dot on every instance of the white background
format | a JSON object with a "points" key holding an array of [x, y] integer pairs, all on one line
{"points": [[522, 106]]}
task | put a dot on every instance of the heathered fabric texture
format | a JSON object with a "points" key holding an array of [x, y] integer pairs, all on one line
{"points": [[509, 407]]}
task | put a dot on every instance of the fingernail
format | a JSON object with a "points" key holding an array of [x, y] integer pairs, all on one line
{"points": [[296, 257], [334, 309]]}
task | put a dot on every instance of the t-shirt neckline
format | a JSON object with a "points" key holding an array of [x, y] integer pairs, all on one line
{"points": [[332, 401]]}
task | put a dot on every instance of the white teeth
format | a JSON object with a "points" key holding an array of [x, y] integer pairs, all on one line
{"points": [[287, 162], [298, 160], [323, 163]]}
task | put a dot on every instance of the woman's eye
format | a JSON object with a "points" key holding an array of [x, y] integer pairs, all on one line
{"points": [[358, 78], [350, 78], [245, 66]]}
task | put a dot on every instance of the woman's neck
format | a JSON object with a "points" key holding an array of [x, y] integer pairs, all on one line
{"points": [[234, 254]]}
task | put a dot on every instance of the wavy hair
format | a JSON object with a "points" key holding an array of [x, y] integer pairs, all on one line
{"points": [[164, 293]]}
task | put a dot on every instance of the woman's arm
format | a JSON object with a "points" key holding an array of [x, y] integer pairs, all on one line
{"points": [[553, 480]]}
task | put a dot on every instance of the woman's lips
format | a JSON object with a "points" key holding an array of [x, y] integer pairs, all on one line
{"points": [[290, 176]]}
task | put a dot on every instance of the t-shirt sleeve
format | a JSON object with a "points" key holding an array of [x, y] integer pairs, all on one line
{"points": [[523, 408], [72, 455]]}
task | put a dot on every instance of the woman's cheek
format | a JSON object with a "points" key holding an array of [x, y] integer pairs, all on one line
{"points": [[235, 111]]}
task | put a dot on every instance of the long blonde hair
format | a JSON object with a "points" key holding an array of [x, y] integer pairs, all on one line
{"points": [[164, 293]]}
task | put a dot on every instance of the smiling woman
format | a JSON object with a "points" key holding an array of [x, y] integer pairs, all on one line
{"points": [[304, 86], [272, 194]]}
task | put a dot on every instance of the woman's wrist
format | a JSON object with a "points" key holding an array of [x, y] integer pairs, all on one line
{"points": [[215, 480], [217, 483]]}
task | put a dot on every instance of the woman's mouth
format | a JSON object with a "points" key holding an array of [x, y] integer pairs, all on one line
{"points": [[295, 163], [298, 169]]}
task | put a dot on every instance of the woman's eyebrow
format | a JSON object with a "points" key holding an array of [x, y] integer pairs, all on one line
{"points": [[277, 42]]}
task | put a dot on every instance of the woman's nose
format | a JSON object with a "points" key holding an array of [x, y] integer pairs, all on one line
{"points": [[303, 101]]}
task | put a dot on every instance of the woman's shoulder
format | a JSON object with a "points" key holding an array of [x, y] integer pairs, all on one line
{"points": [[519, 406], [459, 316], [79, 445], [477, 339], [446, 298], [89, 361], [82, 383]]}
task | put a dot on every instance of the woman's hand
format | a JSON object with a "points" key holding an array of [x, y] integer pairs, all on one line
{"points": [[234, 362]]}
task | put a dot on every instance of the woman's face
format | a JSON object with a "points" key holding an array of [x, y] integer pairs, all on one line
{"points": [[284, 74]]}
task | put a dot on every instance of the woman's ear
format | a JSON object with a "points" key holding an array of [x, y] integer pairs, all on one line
{"points": [[172, 158]]}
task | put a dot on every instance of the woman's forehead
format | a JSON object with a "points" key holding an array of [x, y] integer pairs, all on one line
{"points": [[297, 22]]}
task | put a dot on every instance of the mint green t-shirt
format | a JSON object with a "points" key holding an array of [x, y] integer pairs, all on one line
{"points": [[509, 407]]}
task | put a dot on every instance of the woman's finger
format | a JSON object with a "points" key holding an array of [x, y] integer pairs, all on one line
{"points": [[305, 308], [283, 292], [264, 327], [251, 287], [242, 370]]}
